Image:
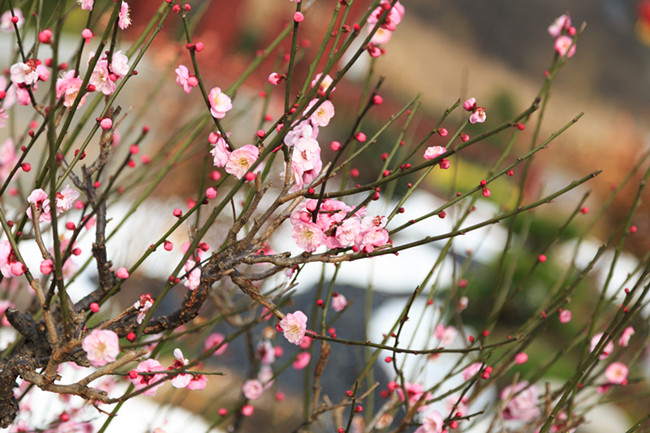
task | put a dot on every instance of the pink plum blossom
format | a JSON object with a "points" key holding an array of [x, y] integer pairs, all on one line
{"points": [[8, 157], [381, 36], [184, 78], [338, 302], [120, 64], [220, 103], [28, 73], [6, 25], [180, 380], [294, 326], [65, 199], [625, 336], [616, 373], [373, 234], [478, 116], [609, 347], [39, 199], [308, 236], [193, 278], [213, 340], [123, 18], [392, 20], [433, 422], [324, 85], [322, 115], [220, 151], [302, 360], [86, 5], [265, 352], [67, 87], [470, 104], [240, 160], [101, 79], [563, 22], [414, 392], [197, 381], [522, 401], [564, 46], [252, 389], [565, 316], [101, 346], [446, 335], [471, 370], [143, 305], [434, 152], [275, 78], [143, 380]]}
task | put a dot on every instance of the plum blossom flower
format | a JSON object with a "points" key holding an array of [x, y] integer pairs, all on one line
{"points": [[220, 151], [275, 78], [446, 334], [220, 103], [240, 160], [470, 104], [86, 5], [65, 199], [120, 64], [6, 25], [67, 87], [143, 305], [123, 18], [565, 316], [39, 199], [522, 401], [563, 22], [478, 116], [564, 46], [625, 336], [381, 36], [143, 380], [414, 392], [184, 78], [302, 360], [434, 152], [197, 381], [373, 234], [101, 79], [324, 85], [252, 389], [609, 347], [193, 275], [213, 340], [8, 158], [265, 352], [322, 115], [294, 326], [431, 423], [101, 346], [308, 236], [471, 370], [28, 73], [338, 302], [392, 20], [180, 380], [616, 373]]}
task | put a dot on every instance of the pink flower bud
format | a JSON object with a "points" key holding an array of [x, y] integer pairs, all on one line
{"points": [[106, 123], [122, 273]]}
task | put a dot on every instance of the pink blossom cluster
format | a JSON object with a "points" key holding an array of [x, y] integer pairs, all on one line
{"points": [[522, 401], [414, 392], [563, 32], [101, 347], [445, 334], [179, 379], [193, 271], [26, 75], [386, 27], [186, 380], [64, 201], [9, 265], [335, 228], [236, 162], [105, 74], [185, 79], [143, 305], [478, 113]]}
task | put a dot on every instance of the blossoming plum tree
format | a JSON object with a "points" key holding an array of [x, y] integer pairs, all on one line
{"points": [[277, 180]]}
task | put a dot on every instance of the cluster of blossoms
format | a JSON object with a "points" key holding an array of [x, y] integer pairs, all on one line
{"points": [[236, 162], [386, 28], [106, 73], [143, 305], [478, 113], [522, 401], [64, 201], [337, 227], [563, 32], [193, 272], [9, 265], [150, 371]]}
